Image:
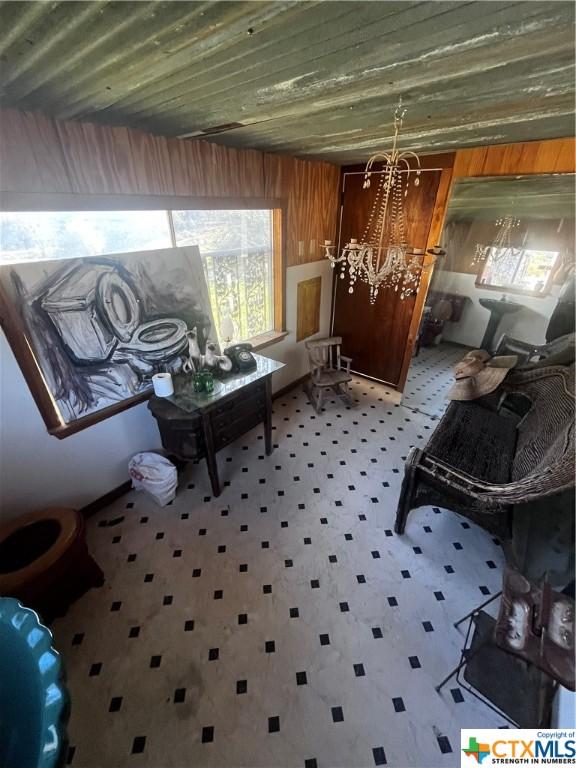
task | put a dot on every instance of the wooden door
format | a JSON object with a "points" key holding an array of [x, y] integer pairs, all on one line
{"points": [[375, 335]]}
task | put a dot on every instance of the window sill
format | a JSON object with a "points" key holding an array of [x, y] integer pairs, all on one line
{"points": [[267, 339]]}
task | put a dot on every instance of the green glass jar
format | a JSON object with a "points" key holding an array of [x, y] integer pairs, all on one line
{"points": [[208, 382], [198, 381]]}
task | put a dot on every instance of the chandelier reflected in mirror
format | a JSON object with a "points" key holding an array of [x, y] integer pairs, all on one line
{"points": [[383, 258], [502, 246]]}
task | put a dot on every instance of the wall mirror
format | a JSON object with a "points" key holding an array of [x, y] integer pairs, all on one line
{"points": [[512, 233], [508, 270]]}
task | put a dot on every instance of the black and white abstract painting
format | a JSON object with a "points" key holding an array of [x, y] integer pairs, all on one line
{"points": [[100, 327]]}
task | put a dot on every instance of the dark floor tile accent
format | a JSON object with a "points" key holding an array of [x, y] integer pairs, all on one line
{"points": [[270, 646], [344, 607], [315, 583], [241, 686], [218, 594], [155, 661], [95, 669], [359, 670], [273, 724], [332, 559], [294, 613], [361, 579], [77, 639], [337, 714], [267, 589], [242, 618], [311, 762], [115, 704], [379, 756], [324, 639], [375, 554], [457, 695], [138, 745], [484, 590], [439, 596], [414, 662], [168, 600], [213, 654], [207, 734], [179, 695], [444, 744], [189, 625], [427, 626], [301, 678], [398, 704]]}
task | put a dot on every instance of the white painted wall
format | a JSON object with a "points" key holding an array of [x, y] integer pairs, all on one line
{"points": [[528, 324], [290, 351], [38, 470]]}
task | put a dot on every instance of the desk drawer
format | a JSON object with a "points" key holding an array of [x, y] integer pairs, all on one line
{"points": [[239, 409], [232, 429], [240, 400]]}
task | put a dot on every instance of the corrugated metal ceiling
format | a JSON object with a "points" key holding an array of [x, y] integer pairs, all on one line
{"points": [[546, 196], [316, 79]]}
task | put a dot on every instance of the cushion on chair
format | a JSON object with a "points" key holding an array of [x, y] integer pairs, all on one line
{"points": [[476, 441]]}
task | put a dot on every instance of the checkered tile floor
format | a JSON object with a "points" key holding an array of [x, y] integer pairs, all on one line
{"points": [[430, 377], [282, 624]]}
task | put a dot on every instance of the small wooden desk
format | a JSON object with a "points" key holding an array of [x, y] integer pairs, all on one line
{"points": [[194, 426]]}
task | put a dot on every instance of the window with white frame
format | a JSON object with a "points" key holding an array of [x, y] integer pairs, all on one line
{"points": [[236, 246]]}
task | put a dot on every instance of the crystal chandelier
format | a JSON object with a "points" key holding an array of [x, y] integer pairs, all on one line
{"points": [[502, 247], [383, 258]]}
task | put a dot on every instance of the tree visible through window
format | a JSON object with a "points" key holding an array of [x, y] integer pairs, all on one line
{"points": [[236, 249]]}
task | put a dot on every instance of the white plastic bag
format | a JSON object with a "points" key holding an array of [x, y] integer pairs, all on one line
{"points": [[155, 475]]}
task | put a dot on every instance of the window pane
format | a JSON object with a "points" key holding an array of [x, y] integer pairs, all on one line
{"points": [[518, 268], [32, 236], [236, 249]]}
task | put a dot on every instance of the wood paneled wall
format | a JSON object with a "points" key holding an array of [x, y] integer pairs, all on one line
{"points": [[40, 154], [529, 157]]}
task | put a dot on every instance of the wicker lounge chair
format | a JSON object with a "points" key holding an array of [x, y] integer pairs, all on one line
{"points": [[483, 464]]}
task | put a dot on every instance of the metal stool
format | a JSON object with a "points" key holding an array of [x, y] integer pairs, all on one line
{"points": [[530, 644]]}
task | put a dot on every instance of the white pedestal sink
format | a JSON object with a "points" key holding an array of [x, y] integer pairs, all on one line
{"points": [[497, 308]]}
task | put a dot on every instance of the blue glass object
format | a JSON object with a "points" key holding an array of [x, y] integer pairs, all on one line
{"points": [[33, 699]]}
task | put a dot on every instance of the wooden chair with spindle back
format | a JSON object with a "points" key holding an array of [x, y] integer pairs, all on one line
{"points": [[329, 370]]}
